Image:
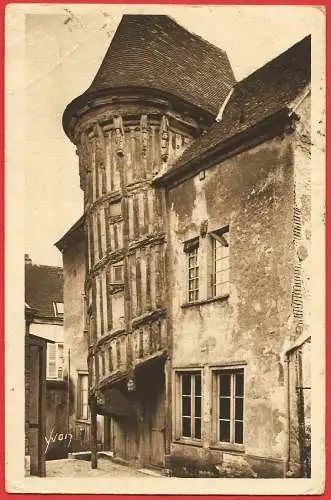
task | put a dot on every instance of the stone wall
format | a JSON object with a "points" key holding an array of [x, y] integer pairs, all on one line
{"points": [[253, 194]]}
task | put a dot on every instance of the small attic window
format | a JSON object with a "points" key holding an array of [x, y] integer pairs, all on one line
{"points": [[58, 309], [118, 273]]}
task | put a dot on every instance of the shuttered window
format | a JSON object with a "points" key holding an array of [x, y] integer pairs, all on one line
{"points": [[51, 361], [55, 361], [82, 397]]}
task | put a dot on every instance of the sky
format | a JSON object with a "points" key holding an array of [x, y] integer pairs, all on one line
{"points": [[52, 55]]}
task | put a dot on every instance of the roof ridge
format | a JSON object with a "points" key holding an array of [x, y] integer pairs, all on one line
{"points": [[45, 265], [195, 35], [173, 20], [269, 89], [267, 65]]}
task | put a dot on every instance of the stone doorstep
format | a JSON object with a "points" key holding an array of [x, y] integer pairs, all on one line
{"points": [[152, 472], [106, 454], [80, 455]]}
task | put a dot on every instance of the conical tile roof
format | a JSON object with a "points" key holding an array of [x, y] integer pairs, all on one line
{"points": [[154, 52]]}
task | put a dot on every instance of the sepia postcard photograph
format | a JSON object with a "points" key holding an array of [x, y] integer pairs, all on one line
{"points": [[164, 249]]}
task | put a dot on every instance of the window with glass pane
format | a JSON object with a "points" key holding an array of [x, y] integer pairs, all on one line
{"points": [[118, 273], [220, 277], [231, 406], [191, 405], [193, 275], [58, 309]]}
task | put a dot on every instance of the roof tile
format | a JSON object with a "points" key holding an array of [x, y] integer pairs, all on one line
{"points": [[257, 97], [153, 51], [43, 286]]}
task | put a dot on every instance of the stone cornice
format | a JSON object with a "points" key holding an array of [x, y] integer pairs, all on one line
{"points": [[105, 339], [149, 240], [148, 318], [116, 98], [110, 258], [109, 198]]}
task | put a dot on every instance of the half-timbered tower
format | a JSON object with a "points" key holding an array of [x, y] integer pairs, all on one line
{"points": [[158, 88]]}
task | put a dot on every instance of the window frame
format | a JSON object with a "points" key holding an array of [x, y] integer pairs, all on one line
{"points": [[216, 442], [114, 268], [191, 249], [57, 313], [178, 414], [215, 237]]}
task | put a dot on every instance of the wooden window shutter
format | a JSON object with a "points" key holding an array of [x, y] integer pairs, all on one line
{"points": [[51, 365]]}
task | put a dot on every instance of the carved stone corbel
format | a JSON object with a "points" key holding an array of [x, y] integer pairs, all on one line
{"points": [[99, 151], [119, 135], [115, 288], [144, 134], [100, 398], [84, 158], [164, 141], [131, 384], [203, 228]]}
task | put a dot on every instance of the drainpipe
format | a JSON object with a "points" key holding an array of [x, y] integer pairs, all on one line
{"points": [[289, 472], [299, 342]]}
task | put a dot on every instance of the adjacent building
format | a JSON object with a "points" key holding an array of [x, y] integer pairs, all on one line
{"points": [[35, 349], [44, 297], [72, 245], [195, 240]]}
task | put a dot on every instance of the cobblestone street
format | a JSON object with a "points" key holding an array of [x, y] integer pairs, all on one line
{"points": [[82, 468]]}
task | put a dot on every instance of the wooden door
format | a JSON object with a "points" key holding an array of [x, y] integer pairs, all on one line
{"points": [[37, 410], [157, 451]]}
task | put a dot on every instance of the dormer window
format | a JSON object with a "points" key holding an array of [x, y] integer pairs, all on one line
{"points": [[58, 309]]}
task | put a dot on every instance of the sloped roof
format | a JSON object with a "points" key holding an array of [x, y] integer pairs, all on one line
{"points": [[257, 97], [74, 233], [43, 286], [154, 52]]}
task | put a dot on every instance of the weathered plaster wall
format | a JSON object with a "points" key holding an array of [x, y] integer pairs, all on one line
{"points": [[74, 276], [253, 194], [302, 181], [301, 329], [56, 419], [75, 338]]}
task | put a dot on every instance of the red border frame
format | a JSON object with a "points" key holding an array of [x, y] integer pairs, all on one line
{"points": [[326, 493]]}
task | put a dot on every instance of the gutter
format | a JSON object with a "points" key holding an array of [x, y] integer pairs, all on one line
{"points": [[242, 141]]}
